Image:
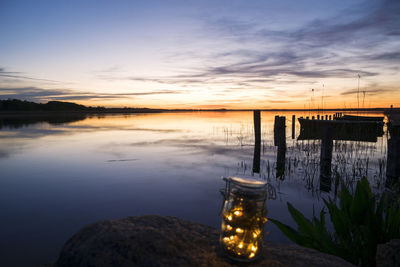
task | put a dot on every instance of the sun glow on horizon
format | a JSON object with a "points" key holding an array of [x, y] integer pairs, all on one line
{"points": [[204, 55]]}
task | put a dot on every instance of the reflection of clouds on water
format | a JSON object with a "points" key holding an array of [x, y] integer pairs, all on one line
{"points": [[12, 147], [20, 121], [125, 128], [32, 133], [4, 154], [229, 148], [121, 160], [168, 164], [24, 129]]}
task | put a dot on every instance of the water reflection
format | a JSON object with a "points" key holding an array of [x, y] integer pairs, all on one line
{"points": [[169, 163], [18, 121], [393, 155], [326, 159]]}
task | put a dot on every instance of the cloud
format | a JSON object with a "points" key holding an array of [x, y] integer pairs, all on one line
{"points": [[21, 76], [369, 91], [280, 101], [362, 25], [371, 25], [337, 47], [40, 94], [390, 56], [316, 50]]}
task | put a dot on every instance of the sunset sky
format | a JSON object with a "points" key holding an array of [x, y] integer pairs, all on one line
{"points": [[202, 54]]}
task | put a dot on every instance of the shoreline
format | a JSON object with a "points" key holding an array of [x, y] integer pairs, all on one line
{"points": [[146, 111]]}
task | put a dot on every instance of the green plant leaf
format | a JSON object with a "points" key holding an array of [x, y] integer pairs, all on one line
{"points": [[304, 225], [360, 224], [289, 232]]}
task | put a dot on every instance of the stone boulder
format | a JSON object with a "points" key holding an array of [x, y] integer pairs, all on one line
{"points": [[168, 241]]}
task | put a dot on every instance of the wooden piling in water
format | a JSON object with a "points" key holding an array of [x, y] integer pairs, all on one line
{"points": [[293, 126], [279, 130], [257, 141], [326, 159], [318, 117], [280, 142], [330, 117], [280, 161], [393, 156]]}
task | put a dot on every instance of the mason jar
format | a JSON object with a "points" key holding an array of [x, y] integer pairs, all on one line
{"points": [[243, 218]]}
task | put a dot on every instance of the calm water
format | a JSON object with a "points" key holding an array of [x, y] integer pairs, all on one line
{"points": [[57, 177]]}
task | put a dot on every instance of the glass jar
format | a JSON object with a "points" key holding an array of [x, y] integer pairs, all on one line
{"points": [[243, 218]]}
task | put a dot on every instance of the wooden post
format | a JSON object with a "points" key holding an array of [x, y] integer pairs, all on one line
{"points": [[279, 130], [326, 159], [326, 117], [318, 117], [313, 117], [280, 142], [330, 117], [280, 161], [393, 158], [293, 126], [257, 141]]}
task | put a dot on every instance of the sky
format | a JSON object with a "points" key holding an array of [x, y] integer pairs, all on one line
{"points": [[202, 54]]}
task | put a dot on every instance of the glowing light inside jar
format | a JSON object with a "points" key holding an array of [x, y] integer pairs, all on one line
{"points": [[243, 219], [238, 213], [242, 236]]}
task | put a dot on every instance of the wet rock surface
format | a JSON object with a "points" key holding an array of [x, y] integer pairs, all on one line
{"points": [[167, 241]]}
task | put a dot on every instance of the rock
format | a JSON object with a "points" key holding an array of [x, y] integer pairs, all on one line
{"points": [[168, 241], [388, 255]]}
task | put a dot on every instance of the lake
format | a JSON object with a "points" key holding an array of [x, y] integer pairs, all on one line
{"points": [[60, 174]]}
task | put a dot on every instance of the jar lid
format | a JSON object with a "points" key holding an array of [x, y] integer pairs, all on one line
{"points": [[246, 181]]}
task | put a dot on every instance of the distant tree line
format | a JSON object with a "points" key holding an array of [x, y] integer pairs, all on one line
{"points": [[23, 105], [60, 106]]}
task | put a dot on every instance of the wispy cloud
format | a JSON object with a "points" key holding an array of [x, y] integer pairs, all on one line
{"points": [[319, 49], [21, 76], [369, 91], [40, 94]]}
